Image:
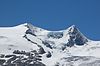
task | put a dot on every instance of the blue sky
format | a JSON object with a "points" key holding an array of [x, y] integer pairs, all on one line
{"points": [[53, 14]]}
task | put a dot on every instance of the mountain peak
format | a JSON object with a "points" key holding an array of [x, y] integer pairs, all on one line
{"points": [[75, 36], [31, 26], [24, 25], [73, 28]]}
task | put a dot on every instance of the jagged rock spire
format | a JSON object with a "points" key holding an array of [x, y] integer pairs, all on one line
{"points": [[75, 37], [72, 28]]}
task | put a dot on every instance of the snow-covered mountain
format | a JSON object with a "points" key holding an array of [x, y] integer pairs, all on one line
{"points": [[28, 45]]}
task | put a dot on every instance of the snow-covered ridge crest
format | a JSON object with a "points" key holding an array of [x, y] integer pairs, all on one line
{"points": [[27, 42], [75, 36], [73, 32]]}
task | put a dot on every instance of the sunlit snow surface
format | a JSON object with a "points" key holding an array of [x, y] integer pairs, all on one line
{"points": [[55, 42]]}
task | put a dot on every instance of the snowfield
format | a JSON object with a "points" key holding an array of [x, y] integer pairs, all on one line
{"points": [[28, 45]]}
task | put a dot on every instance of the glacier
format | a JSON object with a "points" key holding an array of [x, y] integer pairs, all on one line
{"points": [[28, 45]]}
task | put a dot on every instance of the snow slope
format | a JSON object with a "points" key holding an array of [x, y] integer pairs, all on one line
{"points": [[59, 46]]}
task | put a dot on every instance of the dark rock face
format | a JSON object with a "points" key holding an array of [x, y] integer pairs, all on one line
{"points": [[2, 61], [29, 31], [48, 55], [2, 56], [41, 50], [75, 37], [47, 44], [18, 59], [55, 35]]}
